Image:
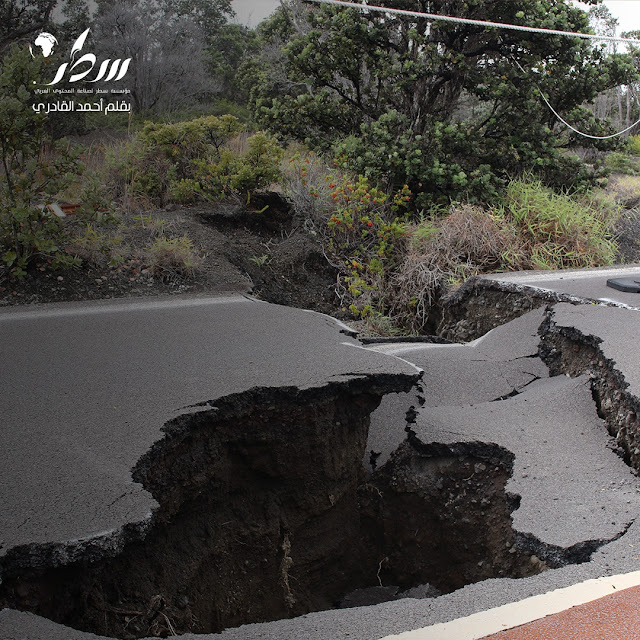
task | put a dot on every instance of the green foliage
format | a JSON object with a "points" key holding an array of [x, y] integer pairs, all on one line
{"points": [[138, 172], [393, 271], [261, 261], [634, 145], [94, 245], [451, 110], [623, 163], [184, 191], [388, 150], [230, 47], [186, 141], [31, 173], [240, 173], [556, 230], [192, 160], [361, 227], [171, 257]]}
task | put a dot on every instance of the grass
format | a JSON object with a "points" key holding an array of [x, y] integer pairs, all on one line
{"points": [[534, 228], [558, 231]]}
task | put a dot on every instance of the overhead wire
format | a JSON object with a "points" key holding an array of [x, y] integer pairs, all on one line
{"points": [[473, 21], [498, 25]]}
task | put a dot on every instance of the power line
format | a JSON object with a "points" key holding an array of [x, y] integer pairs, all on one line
{"points": [[498, 25], [482, 23], [585, 135], [564, 122]]}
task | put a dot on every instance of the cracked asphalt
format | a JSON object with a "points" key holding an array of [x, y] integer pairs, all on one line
{"points": [[572, 484], [86, 389]]}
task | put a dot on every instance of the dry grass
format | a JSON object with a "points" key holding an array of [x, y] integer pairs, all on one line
{"points": [[441, 253], [173, 257], [625, 190]]}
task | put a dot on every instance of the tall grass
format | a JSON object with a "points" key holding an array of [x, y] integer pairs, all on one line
{"points": [[534, 228], [558, 231]]}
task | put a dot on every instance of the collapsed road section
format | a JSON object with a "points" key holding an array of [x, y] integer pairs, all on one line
{"points": [[165, 460], [220, 481]]}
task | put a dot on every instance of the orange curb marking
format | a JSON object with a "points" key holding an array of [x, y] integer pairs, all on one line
{"points": [[616, 616]]}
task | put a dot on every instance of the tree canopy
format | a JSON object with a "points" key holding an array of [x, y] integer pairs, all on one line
{"points": [[23, 18], [450, 109]]}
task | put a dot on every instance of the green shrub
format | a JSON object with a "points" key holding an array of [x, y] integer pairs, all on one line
{"points": [[534, 229], [184, 191], [360, 227], [623, 163], [171, 257], [33, 172], [557, 231], [240, 173], [185, 141], [97, 246], [192, 160], [634, 145], [135, 173]]}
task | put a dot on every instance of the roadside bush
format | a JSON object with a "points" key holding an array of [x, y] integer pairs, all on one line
{"points": [[361, 228], [556, 230], [183, 142], [444, 252], [192, 160], [634, 145], [393, 271], [623, 163], [96, 246], [534, 229], [136, 174], [32, 173], [305, 179], [239, 173], [172, 257]]}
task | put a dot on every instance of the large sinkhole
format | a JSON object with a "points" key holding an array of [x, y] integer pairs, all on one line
{"points": [[267, 512]]}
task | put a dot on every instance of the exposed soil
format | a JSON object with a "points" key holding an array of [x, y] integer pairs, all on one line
{"points": [[266, 512], [267, 254], [261, 249]]}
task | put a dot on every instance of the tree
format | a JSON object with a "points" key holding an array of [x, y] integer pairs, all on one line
{"points": [[23, 18], [392, 94], [209, 15], [168, 66], [228, 50]]}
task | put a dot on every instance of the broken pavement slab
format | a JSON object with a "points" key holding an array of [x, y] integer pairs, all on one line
{"points": [[601, 342], [497, 365], [574, 492], [614, 332], [87, 389], [494, 391], [487, 301]]}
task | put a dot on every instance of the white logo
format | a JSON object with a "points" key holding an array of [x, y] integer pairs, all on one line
{"points": [[46, 42], [116, 71]]}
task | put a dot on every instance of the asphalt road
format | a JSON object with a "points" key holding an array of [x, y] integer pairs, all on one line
{"points": [[584, 283], [292, 347], [86, 389]]}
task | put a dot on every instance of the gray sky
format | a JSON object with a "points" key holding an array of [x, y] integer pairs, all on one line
{"points": [[627, 12], [251, 12]]}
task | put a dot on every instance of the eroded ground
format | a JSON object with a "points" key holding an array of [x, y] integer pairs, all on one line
{"points": [[504, 471]]}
